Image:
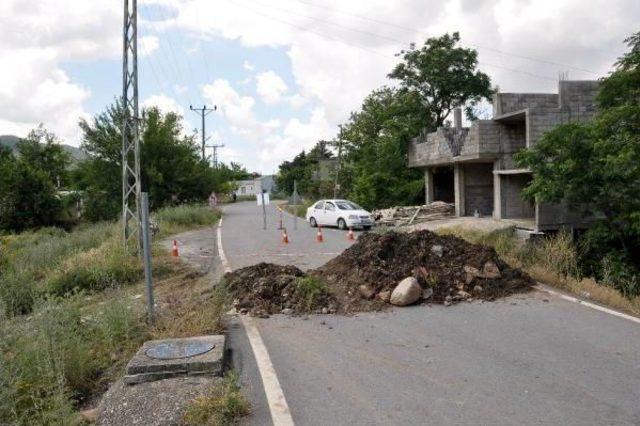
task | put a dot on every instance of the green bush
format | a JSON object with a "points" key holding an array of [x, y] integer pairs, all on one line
{"points": [[312, 291], [17, 293]]}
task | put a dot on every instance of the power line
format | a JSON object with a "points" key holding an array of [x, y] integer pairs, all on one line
{"points": [[188, 61], [307, 29], [171, 58], [479, 46]]}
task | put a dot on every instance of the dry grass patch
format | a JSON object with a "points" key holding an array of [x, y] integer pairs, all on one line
{"points": [[552, 260], [224, 405]]}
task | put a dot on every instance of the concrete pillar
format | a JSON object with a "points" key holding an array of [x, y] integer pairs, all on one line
{"points": [[458, 187], [457, 118], [497, 192], [497, 197], [428, 186]]}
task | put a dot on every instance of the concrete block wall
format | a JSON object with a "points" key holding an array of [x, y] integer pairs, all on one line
{"points": [[478, 188], [513, 205], [504, 103], [578, 98], [558, 216], [541, 121]]}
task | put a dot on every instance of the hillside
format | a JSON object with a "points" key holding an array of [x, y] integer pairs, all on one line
{"points": [[11, 142]]}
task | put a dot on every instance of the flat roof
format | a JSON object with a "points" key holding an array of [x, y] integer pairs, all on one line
{"points": [[513, 116]]}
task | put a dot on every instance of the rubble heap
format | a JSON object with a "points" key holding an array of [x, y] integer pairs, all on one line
{"points": [[380, 269], [403, 268], [265, 289], [397, 216]]}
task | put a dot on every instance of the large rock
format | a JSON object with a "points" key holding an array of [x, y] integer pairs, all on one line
{"points": [[491, 270], [408, 291]]}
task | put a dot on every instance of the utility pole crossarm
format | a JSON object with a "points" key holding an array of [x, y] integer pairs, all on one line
{"points": [[203, 112]]}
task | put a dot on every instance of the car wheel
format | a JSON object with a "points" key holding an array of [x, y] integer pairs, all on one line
{"points": [[366, 228], [342, 224], [312, 222]]}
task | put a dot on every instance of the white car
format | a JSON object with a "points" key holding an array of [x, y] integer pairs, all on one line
{"points": [[341, 213]]}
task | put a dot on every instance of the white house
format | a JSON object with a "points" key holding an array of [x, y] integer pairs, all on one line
{"points": [[255, 186]]}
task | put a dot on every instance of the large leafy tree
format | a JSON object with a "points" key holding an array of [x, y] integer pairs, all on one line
{"points": [[375, 172], [596, 167], [444, 76], [41, 150], [305, 170], [28, 194], [171, 168]]}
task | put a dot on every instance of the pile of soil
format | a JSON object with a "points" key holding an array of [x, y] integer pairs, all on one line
{"points": [[266, 289], [452, 268], [363, 277]]}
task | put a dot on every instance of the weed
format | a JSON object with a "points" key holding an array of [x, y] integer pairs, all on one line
{"points": [[311, 290], [176, 219], [224, 405], [195, 315]]}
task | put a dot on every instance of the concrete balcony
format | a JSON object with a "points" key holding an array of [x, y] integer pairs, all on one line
{"points": [[480, 142]]}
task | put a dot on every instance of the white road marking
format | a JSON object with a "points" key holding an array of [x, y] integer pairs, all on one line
{"points": [[280, 414], [223, 259], [587, 304]]}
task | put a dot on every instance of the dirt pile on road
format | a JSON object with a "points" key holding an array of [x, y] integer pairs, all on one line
{"points": [[266, 289], [378, 270], [448, 270]]}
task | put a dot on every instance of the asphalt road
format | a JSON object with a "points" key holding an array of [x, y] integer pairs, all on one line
{"points": [[526, 360]]}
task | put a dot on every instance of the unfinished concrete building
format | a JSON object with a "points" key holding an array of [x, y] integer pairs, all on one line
{"points": [[473, 167]]}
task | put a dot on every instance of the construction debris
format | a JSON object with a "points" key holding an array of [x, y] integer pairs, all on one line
{"points": [[378, 270], [397, 216], [448, 270], [265, 289]]}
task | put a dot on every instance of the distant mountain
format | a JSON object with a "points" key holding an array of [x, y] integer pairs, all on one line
{"points": [[11, 141]]}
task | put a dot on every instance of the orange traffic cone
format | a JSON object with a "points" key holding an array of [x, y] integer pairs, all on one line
{"points": [[350, 235], [319, 236], [285, 237], [174, 252]]}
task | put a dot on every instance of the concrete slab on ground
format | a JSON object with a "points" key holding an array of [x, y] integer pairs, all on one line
{"points": [[160, 359]]}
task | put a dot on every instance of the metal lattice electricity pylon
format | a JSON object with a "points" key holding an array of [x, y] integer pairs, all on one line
{"points": [[131, 187]]}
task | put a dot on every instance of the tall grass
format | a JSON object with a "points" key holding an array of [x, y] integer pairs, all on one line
{"points": [[68, 346], [56, 360], [180, 218]]}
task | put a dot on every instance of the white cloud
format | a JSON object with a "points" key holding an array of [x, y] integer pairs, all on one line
{"points": [[180, 89], [248, 66], [164, 103], [148, 45], [36, 37], [270, 87]]}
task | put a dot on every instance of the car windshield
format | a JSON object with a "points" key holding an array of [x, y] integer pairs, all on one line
{"points": [[347, 205]]}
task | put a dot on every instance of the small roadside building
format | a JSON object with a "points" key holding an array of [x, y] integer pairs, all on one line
{"points": [[474, 168], [255, 186]]}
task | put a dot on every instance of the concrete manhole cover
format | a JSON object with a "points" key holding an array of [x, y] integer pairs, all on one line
{"points": [[179, 349]]}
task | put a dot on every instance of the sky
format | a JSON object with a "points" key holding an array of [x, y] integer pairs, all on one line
{"points": [[282, 73]]}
